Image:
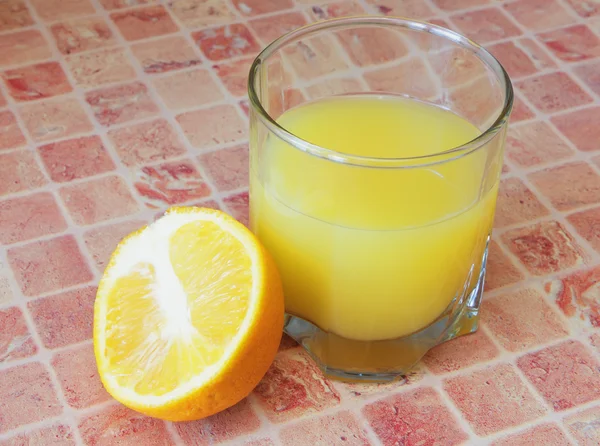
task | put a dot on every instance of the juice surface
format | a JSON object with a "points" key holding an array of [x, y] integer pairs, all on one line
{"points": [[371, 253]]}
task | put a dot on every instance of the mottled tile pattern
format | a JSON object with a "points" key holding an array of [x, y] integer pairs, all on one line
{"points": [[233, 423], [494, 399], [113, 110], [546, 434], [419, 416], [565, 374], [522, 319]]}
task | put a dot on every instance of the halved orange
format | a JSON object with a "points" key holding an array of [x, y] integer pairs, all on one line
{"points": [[188, 315]]}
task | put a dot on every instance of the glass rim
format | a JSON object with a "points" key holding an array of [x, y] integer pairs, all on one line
{"points": [[367, 161]]}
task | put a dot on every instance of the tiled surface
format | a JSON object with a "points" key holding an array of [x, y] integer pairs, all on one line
{"points": [[112, 110]]}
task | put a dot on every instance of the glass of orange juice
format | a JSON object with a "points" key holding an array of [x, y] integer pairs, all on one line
{"points": [[376, 148]]}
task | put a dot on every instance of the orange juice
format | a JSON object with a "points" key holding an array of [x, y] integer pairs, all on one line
{"points": [[371, 253]]}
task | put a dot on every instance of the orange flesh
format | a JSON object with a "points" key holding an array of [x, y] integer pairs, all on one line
{"points": [[138, 330]]}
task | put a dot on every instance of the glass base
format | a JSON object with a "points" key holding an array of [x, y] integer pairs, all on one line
{"points": [[386, 360]]}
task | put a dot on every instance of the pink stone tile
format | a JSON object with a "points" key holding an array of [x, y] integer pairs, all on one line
{"points": [[102, 67], [579, 185], [162, 55], [98, 200], [587, 224], [343, 8], [314, 57], [572, 44], [538, 15], [417, 9], [415, 417], [118, 425], [258, 7], [500, 270], [363, 391], [520, 111], [293, 387], [522, 319], [533, 143], [75, 158], [141, 23], [485, 25], [371, 46], [36, 81], [57, 435], [474, 100], [212, 204], [78, 376], [234, 75], [410, 77], [146, 142], [514, 60], [12, 137], [228, 168], [553, 92], [330, 87], [516, 204], [14, 14], [233, 423], [540, 57], [26, 396], [48, 265], [187, 89], [461, 352], [285, 99], [493, 399], [115, 105], [118, 4], [19, 171], [23, 47], [28, 217], [543, 434], [590, 75], [52, 10], [584, 426], [270, 28], [64, 318], [101, 242], [55, 118], [79, 35], [581, 128], [238, 207], [585, 8], [226, 41], [170, 183], [566, 375], [339, 428], [245, 105], [454, 66], [15, 340], [211, 126], [452, 5], [544, 247], [200, 13], [2, 101], [578, 296], [595, 341]]}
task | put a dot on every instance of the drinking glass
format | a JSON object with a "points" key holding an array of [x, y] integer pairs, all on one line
{"points": [[381, 258]]}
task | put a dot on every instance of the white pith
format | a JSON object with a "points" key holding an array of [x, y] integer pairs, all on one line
{"points": [[152, 246]]}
